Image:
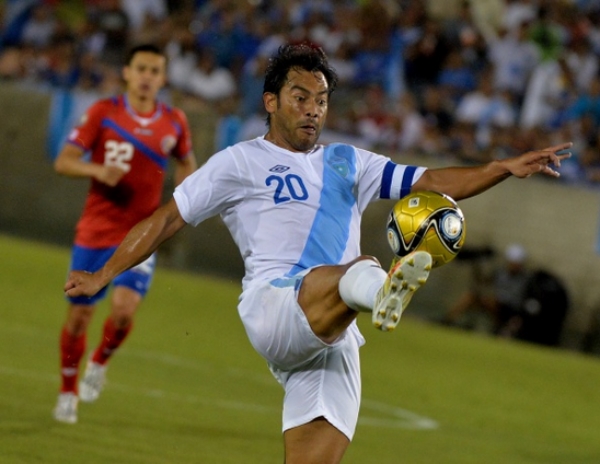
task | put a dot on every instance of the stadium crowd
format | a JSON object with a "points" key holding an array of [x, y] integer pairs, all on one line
{"points": [[472, 80]]}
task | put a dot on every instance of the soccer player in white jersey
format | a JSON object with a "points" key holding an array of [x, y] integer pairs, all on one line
{"points": [[293, 208]]}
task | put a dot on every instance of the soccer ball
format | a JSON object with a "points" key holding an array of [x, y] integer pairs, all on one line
{"points": [[426, 221]]}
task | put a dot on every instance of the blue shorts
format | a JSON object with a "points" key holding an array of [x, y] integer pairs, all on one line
{"points": [[137, 278]]}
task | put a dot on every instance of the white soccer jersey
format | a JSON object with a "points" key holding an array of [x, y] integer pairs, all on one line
{"points": [[289, 211]]}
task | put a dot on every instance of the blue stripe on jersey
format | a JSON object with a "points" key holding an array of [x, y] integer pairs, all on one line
{"points": [[386, 180], [407, 178], [330, 230], [140, 146]]}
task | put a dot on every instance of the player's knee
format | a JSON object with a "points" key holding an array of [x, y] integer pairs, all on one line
{"points": [[79, 319], [122, 320], [363, 258]]}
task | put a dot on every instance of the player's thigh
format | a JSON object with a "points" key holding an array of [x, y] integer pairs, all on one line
{"points": [[319, 298], [276, 325], [317, 442], [320, 286], [327, 386]]}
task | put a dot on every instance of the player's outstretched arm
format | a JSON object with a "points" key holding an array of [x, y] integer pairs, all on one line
{"points": [[141, 241], [465, 182]]}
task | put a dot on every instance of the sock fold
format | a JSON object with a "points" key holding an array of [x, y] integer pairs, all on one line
{"points": [[359, 286]]}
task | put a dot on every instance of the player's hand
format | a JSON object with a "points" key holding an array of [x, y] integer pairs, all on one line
{"points": [[82, 283], [110, 175], [538, 161]]}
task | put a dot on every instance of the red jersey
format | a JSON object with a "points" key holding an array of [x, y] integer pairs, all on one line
{"points": [[116, 135]]}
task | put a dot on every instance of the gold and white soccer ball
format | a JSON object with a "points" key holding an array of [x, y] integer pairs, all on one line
{"points": [[426, 221]]}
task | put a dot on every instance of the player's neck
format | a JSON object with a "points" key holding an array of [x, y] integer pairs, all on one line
{"points": [[142, 106]]}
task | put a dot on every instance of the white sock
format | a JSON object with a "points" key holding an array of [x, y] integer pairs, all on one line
{"points": [[358, 287]]}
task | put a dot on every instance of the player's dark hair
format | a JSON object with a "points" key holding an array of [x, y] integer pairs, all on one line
{"points": [[297, 56], [149, 48]]}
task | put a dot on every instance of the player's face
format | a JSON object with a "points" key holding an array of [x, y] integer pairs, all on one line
{"points": [[297, 114], [145, 75]]}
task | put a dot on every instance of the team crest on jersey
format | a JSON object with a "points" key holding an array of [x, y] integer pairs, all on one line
{"points": [[279, 168], [167, 144], [340, 165]]}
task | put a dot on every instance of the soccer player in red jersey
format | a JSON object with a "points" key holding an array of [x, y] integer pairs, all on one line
{"points": [[130, 139]]}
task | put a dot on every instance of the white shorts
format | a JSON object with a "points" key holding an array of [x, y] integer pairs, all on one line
{"points": [[320, 379]]}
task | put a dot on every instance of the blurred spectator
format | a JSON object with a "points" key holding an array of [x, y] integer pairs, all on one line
{"points": [[21, 63], [515, 301], [424, 59], [39, 27], [208, 81], [484, 109], [113, 24], [581, 62], [456, 78], [251, 85], [229, 123], [15, 15], [546, 96], [436, 110], [62, 69], [379, 59], [498, 293], [514, 58], [517, 13], [546, 33], [590, 161], [140, 11], [466, 35], [542, 315], [220, 31], [181, 52], [404, 129]]}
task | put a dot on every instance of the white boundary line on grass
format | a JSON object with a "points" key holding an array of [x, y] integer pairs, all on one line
{"points": [[398, 418], [373, 413]]}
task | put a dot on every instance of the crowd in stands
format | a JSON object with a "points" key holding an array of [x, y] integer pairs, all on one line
{"points": [[473, 80]]}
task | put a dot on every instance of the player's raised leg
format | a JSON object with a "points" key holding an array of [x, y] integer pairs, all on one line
{"points": [[332, 296], [328, 308]]}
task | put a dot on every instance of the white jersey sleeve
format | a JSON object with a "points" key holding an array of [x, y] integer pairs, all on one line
{"points": [[210, 189]]}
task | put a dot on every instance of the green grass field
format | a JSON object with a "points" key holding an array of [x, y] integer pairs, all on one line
{"points": [[188, 388]]}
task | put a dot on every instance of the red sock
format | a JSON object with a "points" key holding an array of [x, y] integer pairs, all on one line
{"points": [[72, 348], [112, 337]]}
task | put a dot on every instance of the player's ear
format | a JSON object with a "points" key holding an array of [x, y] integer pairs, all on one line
{"points": [[125, 73], [270, 102]]}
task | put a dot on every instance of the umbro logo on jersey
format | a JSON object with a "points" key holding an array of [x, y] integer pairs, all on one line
{"points": [[279, 168]]}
